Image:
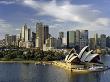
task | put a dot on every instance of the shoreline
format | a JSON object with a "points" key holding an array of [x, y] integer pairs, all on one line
{"points": [[28, 62], [45, 62]]}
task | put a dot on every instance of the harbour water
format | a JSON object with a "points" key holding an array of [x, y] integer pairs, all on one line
{"points": [[15, 72]]}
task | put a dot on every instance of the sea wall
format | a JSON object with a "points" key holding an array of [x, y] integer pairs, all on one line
{"points": [[69, 66], [62, 65]]}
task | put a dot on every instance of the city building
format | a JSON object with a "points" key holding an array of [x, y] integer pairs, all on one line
{"points": [[92, 44], [60, 40], [83, 38], [42, 33], [108, 42], [2, 43], [10, 40], [103, 41], [51, 43], [43, 40], [23, 29], [27, 35], [25, 38], [18, 39], [7, 41], [71, 38], [78, 37], [64, 42], [34, 39], [61, 34], [96, 41]]}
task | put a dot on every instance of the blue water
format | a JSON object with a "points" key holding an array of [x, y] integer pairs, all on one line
{"points": [[48, 73]]}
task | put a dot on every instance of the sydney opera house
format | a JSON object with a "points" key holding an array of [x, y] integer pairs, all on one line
{"points": [[85, 56], [86, 60]]}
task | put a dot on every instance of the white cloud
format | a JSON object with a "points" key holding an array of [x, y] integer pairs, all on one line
{"points": [[102, 22], [6, 28], [64, 12], [85, 16], [7, 2]]}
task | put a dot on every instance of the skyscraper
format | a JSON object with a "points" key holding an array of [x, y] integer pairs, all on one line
{"points": [[77, 37], [103, 41], [60, 39], [27, 35], [23, 32], [96, 40], [83, 38], [45, 32], [17, 39], [42, 33], [33, 38], [92, 43], [71, 38], [7, 39], [108, 42], [61, 34]]}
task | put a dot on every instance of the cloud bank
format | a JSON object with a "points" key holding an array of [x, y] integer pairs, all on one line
{"points": [[5, 28], [85, 15], [7, 2]]}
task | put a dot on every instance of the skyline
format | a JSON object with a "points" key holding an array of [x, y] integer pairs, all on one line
{"points": [[63, 15]]}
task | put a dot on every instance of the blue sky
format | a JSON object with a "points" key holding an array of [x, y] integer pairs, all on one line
{"points": [[60, 15]]}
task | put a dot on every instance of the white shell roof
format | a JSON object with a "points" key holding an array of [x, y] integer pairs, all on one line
{"points": [[90, 57], [74, 57], [82, 51], [86, 55], [66, 57], [83, 55], [73, 54]]}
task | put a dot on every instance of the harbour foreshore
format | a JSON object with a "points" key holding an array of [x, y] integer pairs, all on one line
{"points": [[68, 66], [28, 62]]}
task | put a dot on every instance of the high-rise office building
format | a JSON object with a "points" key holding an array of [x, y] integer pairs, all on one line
{"points": [[64, 42], [42, 33], [77, 37], [92, 43], [61, 34], [13, 40], [103, 41], [96, 40], [60, 39], [33, 38], [17, 39], [46, 33], [23, 32], [71, 38], [7, 39], [108, 42], [27, 35], [83, 38]]}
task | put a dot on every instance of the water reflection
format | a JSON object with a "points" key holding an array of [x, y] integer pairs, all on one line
{"points": [[85, 77]]}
